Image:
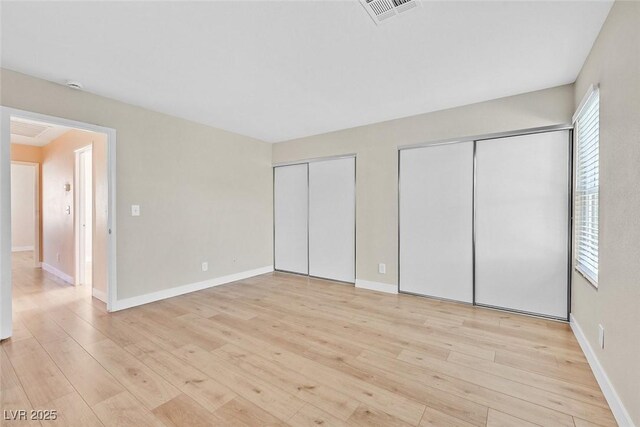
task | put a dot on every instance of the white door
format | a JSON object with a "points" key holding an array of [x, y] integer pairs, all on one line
{"points": [[436, 214], [332, 219], [290, 218], [522, 209]]}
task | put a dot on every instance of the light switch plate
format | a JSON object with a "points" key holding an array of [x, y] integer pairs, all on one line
{"points": [[135, 210]]}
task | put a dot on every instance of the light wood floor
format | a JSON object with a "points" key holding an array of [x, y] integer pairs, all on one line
{"points": [[281, 349]]}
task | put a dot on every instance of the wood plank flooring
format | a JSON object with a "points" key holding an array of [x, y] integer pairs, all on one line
{"points": [[281, 349]]}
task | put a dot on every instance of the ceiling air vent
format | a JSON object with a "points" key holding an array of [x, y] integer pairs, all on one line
{"points": [[27, 129], [381, 10]]}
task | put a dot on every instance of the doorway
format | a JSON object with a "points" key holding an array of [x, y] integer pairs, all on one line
{"points": [[75, 232]]}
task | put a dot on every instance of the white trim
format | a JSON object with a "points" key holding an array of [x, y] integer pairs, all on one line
{"points": [[22, 248], [101, 295], [5, 227], [60, 274], [185, 289], [619, 411], [376, 286], [585, 99]]}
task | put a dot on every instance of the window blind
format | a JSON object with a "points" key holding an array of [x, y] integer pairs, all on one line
{"points": [[587, 127]]}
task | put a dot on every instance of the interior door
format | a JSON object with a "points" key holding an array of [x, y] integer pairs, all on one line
{"points": [[290, 218], [436, 214], [522, 225], [332, 219]]}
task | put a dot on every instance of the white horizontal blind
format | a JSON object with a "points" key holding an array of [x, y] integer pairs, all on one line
{"points": [[587, 187]]}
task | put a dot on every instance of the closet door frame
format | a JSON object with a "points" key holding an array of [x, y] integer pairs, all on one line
{"points": [[355, 211], [570, 184]]}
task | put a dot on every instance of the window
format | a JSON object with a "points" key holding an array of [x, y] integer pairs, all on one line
{"points": [[587, 128]]}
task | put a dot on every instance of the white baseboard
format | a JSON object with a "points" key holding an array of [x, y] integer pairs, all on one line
{"points": [[101, 295], [58, 273], [21, 248], [619, 411], [376, 286], [185, 289]]}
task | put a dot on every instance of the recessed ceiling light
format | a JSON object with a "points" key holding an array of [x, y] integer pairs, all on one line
{"points": [[74, 84]]}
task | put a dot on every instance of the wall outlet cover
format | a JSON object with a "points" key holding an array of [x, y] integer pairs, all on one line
{"points": [[382, 268], [205, 266]]}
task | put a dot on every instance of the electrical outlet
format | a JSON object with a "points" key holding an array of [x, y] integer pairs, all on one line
{"points": [[382, 268], [58, 257], [601, 336], [205, 266], [135, 210]]}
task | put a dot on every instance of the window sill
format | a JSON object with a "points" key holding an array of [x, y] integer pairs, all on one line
{"points": [[588, 279]]}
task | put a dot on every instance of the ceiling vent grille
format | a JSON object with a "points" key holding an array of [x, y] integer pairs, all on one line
{"points": [[382, 10], [31, 130]]}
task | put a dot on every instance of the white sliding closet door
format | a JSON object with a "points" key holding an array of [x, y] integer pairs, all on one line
{"points": [[332, 219], [290, 218], [522, 223], [436, 213]]}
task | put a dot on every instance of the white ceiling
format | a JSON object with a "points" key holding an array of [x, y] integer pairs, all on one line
{"points": [[277, 70], [31, 132]]}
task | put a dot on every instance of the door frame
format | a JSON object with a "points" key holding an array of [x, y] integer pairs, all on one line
{"points": [[475, 139], [79, 235], [36, 209], [6, 113], [307, 162]]}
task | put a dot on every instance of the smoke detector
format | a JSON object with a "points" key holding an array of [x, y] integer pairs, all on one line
{"points": [[382, 10], [74, 84]]}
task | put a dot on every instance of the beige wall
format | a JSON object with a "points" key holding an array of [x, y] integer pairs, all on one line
{"points": [[31, 154], [23, 197], [614, 63], [205, 194], [377, 162], [26, 153], [58, 167]]}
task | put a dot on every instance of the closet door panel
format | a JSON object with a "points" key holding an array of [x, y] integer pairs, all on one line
{"points": [[522, 223], [436, 212], [332, 219], [290, 218]]}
